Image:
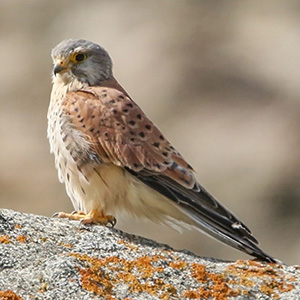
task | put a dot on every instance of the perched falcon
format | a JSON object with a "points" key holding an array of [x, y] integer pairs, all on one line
{"points": [[112, 158]]}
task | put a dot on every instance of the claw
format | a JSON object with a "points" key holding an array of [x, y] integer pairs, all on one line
{"points": [[112, 222], [78, 212]]}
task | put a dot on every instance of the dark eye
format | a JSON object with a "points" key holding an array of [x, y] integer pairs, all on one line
{"points": [[80, 57]]}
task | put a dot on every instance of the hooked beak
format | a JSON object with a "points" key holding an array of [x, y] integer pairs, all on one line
{"points": [[59, 67]]}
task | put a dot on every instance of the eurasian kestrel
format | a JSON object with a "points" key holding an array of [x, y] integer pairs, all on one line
{"points": [[112, 158]]}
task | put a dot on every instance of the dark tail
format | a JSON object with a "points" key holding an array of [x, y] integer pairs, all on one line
{"points": [[207, 213]]}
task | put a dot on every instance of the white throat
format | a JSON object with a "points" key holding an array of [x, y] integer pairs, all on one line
{"points": [[66, 82]]}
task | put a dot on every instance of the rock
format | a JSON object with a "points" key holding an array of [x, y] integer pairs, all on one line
{"points": [[47, 258]]}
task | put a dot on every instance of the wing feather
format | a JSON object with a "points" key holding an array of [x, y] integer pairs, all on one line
{"points": [[119, 130]]}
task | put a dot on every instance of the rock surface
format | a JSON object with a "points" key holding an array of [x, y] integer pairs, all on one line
{"points": [[46, 258]]}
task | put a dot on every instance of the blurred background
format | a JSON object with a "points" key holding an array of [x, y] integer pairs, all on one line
{"points": [[219, 78]]}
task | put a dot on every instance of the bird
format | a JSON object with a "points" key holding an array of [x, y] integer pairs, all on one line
{"points": [[113, 159]]}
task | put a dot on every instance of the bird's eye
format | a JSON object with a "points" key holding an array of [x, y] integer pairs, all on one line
{"points": [[79, 57]]}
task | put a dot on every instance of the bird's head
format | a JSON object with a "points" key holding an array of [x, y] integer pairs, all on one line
{"points": [[82, 60]]}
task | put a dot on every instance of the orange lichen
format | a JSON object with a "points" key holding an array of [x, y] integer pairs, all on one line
{"points": [[21, 239], [192, 294], [43, 288], [5, 239], [242, 281], [66, 245], [145, 267], [178, 265], [18, 226], [218, 287], [222, 291], [285, 288], [212, 292], [9, 295], [134, 273], [199, 272], [273, 280], [127, 244], [101, 276]]}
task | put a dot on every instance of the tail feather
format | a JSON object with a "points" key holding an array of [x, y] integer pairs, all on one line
{"points": [[206, 212]]}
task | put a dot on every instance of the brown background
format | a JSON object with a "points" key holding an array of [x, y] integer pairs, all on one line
{"points": [[219, 78]]}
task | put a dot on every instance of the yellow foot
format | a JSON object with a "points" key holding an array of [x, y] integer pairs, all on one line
{"points": [[93, 217]]}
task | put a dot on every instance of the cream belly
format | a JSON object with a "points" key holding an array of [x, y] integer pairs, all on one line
{"points": [[113, 190]]}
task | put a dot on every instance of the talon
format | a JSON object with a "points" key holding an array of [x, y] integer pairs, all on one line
{"points": [[60, 214], [78, 212], [55, 215], [81, 222], [112, 222]]}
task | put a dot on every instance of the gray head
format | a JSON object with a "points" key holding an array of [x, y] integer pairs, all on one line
{"points": [[82, 60]]}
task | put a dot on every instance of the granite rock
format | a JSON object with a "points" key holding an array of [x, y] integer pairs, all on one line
{"points": [[48, 258]]}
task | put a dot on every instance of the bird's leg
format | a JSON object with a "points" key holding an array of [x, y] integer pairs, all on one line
{"points": [[95, 216]]}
